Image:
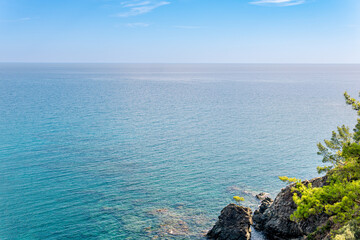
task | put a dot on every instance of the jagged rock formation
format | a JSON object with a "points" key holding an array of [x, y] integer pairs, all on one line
{"points": [[233, 224], [273, 218], [259, 219], [262, 196]]}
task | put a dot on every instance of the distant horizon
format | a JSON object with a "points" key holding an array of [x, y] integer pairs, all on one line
{"points": [[249, 63]]}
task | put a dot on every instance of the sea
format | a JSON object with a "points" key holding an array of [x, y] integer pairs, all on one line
{"points": [[155, 151]]}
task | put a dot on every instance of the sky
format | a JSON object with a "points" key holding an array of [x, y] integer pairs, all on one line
{"points": [[180, 31]]}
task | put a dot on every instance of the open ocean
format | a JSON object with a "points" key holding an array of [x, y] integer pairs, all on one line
{"points": [[155, 151]]}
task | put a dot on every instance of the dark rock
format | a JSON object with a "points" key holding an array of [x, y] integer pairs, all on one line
{"points": [[274, 218], [259, 218], [261, 196], [233, 224]]}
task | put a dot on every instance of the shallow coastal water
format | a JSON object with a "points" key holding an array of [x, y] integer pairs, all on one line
{"points": [[155, 151]]}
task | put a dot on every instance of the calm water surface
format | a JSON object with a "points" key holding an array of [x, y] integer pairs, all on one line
{"points": [[155, 151]]}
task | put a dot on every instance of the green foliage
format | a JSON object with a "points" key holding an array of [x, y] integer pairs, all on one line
{"points": [[238, 199], [356, 106], [289, 180], [351, 231], [340, 197], [331, 152]]}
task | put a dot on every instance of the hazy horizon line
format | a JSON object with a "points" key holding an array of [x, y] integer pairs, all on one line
{"points": [[264, 63]]}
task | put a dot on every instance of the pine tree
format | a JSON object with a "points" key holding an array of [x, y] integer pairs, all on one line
{"points": [[340, 198]]}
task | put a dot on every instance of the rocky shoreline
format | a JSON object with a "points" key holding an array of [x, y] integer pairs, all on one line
{"points": [[272, 218]]}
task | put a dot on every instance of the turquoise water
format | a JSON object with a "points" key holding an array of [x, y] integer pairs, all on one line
{"points": [[155, 151]]}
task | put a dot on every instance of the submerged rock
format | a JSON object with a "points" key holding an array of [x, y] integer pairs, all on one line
{"points": [[175, 227], [261, 196], [233, 224], [241, 190], [233, 189], [182, 223], [273, 218]]}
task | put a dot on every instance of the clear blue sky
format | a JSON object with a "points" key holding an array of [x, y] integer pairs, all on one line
{"points": [[224, 31]]}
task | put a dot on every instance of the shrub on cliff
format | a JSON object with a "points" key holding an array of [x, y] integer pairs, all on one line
{"points": [[340, 198], [351, 231]]}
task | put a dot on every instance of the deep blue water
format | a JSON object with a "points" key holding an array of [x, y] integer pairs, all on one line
{"points": [[155, 151]]}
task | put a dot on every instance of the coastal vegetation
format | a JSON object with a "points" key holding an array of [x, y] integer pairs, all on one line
{"points": [[339, 198], [238, 199]]}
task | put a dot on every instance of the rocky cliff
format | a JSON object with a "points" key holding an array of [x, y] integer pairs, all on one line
{"points": [[272, 218], [233, 224]]}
